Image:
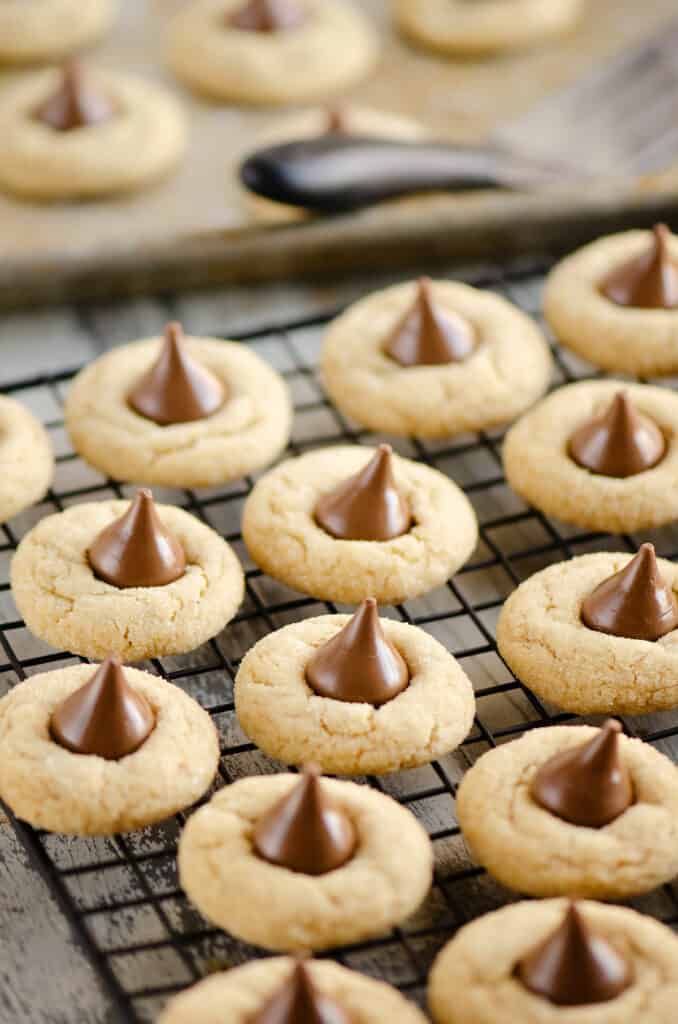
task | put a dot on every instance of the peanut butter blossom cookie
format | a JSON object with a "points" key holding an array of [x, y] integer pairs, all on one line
{"points": [[615, 302], [573, 811], [298, 863], [130, 578], [286, 991], [597, 634], [347, 523], [271, 51], [37, 30], [95, 751], [358, 694], [552, 961], [26, 459], [484, 26], [434, 359], [182, 412], [75, 135], [599, 454]]}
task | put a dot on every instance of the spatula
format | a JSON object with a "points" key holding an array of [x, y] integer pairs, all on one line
{"points": [[620, 120]]}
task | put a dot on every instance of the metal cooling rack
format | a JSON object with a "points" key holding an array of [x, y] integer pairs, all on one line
{"points": [[121, 895]]}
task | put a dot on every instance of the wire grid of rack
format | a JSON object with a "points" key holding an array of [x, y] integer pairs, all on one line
{"points": [[121, 895]]}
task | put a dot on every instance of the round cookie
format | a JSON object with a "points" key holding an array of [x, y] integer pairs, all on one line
{"points": [[65, 604], [641, 342], [287, 720], [50, 787], [473, 980], [283, 537], [534, 851], [246, 434], [240, 992], [545, 643], [26, 459], [333, 48], [539, 468], [51, 29], [143, 140], [384, 882], [309, 124], [509, 369], [468, 29]]}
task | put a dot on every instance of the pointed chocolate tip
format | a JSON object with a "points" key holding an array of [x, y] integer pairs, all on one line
{"points": [[76, 103], [297, 1001], [359, 665], [368, 506], [429, 335], [304, 831], [619, 443], [105, 717], [635, 603], [174, 333], [648, 281], [136, 550], [267, 15]]}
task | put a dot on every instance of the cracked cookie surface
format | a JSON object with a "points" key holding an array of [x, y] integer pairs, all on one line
{"points": [[26, 459], [242, 991], [508, 371], [333, 48], [458, 27], [473, 982], [283, 537], [539, 468], [50, 787], [245, 434], [545, 643], [282, 715], [533, 851], [51, 29], [63, 602], [641, 342], [384, 882], [139, 144]]}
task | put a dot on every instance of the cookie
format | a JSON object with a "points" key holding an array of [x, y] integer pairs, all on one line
{"points": [[580, 307], [503, 372], [539, 465], [51, 29], [287, 719], [535, 851], [26, 459], [67, 605], [240, 436], [240, 992], [383, 882], [473, 980], [455, 27], [309, 124], [51, 787], [284, 539], [140, 139], [330, 48], [544, 641]]}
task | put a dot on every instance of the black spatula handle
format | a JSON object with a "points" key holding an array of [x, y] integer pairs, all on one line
{"points": [[336, 172]]}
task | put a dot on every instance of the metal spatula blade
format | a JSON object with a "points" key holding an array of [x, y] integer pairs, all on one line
{"points": [[621, 120]]}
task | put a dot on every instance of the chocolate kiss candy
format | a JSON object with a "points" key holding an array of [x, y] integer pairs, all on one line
{"points": [[587, 785], [298, 1002], [367, 506], [337, 121], [176, 389], [575, 967], [430, 336], [136, 550], [268, 16], [619, 443], [634, 603], [105, 717], [304, 831], [649, 281], [76, 104], [359, 664]]}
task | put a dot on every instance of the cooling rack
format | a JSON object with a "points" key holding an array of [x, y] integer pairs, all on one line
{"points": [[121, 895]]}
